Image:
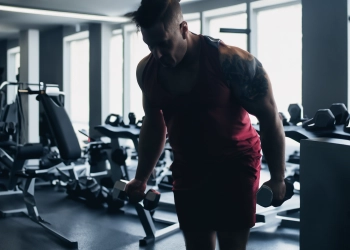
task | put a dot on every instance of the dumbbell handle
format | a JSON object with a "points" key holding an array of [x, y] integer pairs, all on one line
{"points": [[265, 194], [150, 199]]}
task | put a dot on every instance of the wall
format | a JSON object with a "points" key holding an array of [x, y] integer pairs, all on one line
{"points": [[3, 60], [51, 56], [325, 54]]}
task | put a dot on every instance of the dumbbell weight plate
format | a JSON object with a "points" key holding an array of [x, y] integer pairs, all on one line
{"points": [[151, 199], [264, 196]]}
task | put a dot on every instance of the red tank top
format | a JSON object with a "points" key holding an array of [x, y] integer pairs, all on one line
{"points": [[207, 127]]}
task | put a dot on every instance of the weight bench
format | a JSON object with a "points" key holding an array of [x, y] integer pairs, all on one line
{"points": [[64, 135]]}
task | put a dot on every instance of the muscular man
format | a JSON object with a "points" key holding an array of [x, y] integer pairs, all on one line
{"points": [[199, 90]]}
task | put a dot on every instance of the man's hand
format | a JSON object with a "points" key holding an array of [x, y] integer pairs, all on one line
{"points": [[135, 189], [278, 188]]}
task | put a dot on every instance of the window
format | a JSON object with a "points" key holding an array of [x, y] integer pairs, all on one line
{"points": [[236, 21], [279, 48], [138, 51], [194, 26], [79, 84], [13, 62], [116, 75], [76, 77], [17, 62], [234, 17]]}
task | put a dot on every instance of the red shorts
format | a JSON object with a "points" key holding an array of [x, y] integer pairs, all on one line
{"points": [[226, 203]]}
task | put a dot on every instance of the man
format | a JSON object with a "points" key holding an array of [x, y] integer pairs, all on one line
{"points": [[199, 91]]}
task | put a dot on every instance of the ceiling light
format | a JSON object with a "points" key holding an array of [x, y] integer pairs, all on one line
{"points": [[64, 14]]}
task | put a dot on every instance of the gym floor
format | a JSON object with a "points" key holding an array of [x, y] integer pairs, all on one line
{"points": [[96, 229]]}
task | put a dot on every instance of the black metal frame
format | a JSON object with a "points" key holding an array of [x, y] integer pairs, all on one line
{"points": [[31, 210], [152, 234]]}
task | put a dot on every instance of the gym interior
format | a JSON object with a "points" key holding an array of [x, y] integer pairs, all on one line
{"points": [[71, 114]]}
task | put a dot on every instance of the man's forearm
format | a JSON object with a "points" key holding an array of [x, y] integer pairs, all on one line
{"points": [[151, 143], [273, 147]]}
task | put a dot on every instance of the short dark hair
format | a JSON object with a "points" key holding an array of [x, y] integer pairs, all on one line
{"points": [[153, 11]]}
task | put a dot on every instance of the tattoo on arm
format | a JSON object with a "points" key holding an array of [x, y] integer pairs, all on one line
{"points": [[248, 74]]}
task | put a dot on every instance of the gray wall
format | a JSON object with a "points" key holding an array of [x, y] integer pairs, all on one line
{"points": [[95, 34], [51, 56], [325, 54], [12, 43], [99, 36], [3, 59]]}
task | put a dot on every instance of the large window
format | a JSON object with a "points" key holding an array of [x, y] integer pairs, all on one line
{"points": [[194, 26], [13, 69], [79, 84], [116, 76], [138, 51], [237, 21], [76, 81], [279, 48]]}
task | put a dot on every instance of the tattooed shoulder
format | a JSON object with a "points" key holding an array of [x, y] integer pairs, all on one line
{"points": [[243, 72]]}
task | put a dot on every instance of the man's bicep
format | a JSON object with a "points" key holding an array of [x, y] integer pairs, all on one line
{"points": [[263, 105]]}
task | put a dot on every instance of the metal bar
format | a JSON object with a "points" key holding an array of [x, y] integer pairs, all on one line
{"points": [[237, 31], [146, 221], [71, 244], [167, 230]]}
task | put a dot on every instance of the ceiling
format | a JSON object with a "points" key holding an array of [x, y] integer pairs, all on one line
{"points": [[12, 22]]}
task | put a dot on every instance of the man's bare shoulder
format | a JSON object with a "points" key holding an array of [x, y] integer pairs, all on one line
{"points": [[228, 52], [141, 67], [243, 73]]}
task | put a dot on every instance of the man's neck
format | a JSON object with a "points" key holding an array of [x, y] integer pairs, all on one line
{"points": [[192, 52]]}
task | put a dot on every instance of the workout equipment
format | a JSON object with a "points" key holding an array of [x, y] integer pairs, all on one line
{"points": [[347, 125], [324, 124], [339, 112], [295, 111], [150, 199], [132, 132], [294, 157], [114, 120], [145, 213], [132, 118], [265, 194], [20, 177], [323, 119], [88, 189], [324, 199], [166, 181]]}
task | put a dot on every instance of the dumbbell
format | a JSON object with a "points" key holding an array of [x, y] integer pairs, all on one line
{"points": [[323, 119], [295, 111], [294, 157], [265, 194], [340, 113], [114, 120], [150, 199], [132, 118]]}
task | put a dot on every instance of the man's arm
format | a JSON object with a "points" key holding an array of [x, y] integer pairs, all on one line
{"points": [[151, 143], [251, 86], [152, 136]]}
